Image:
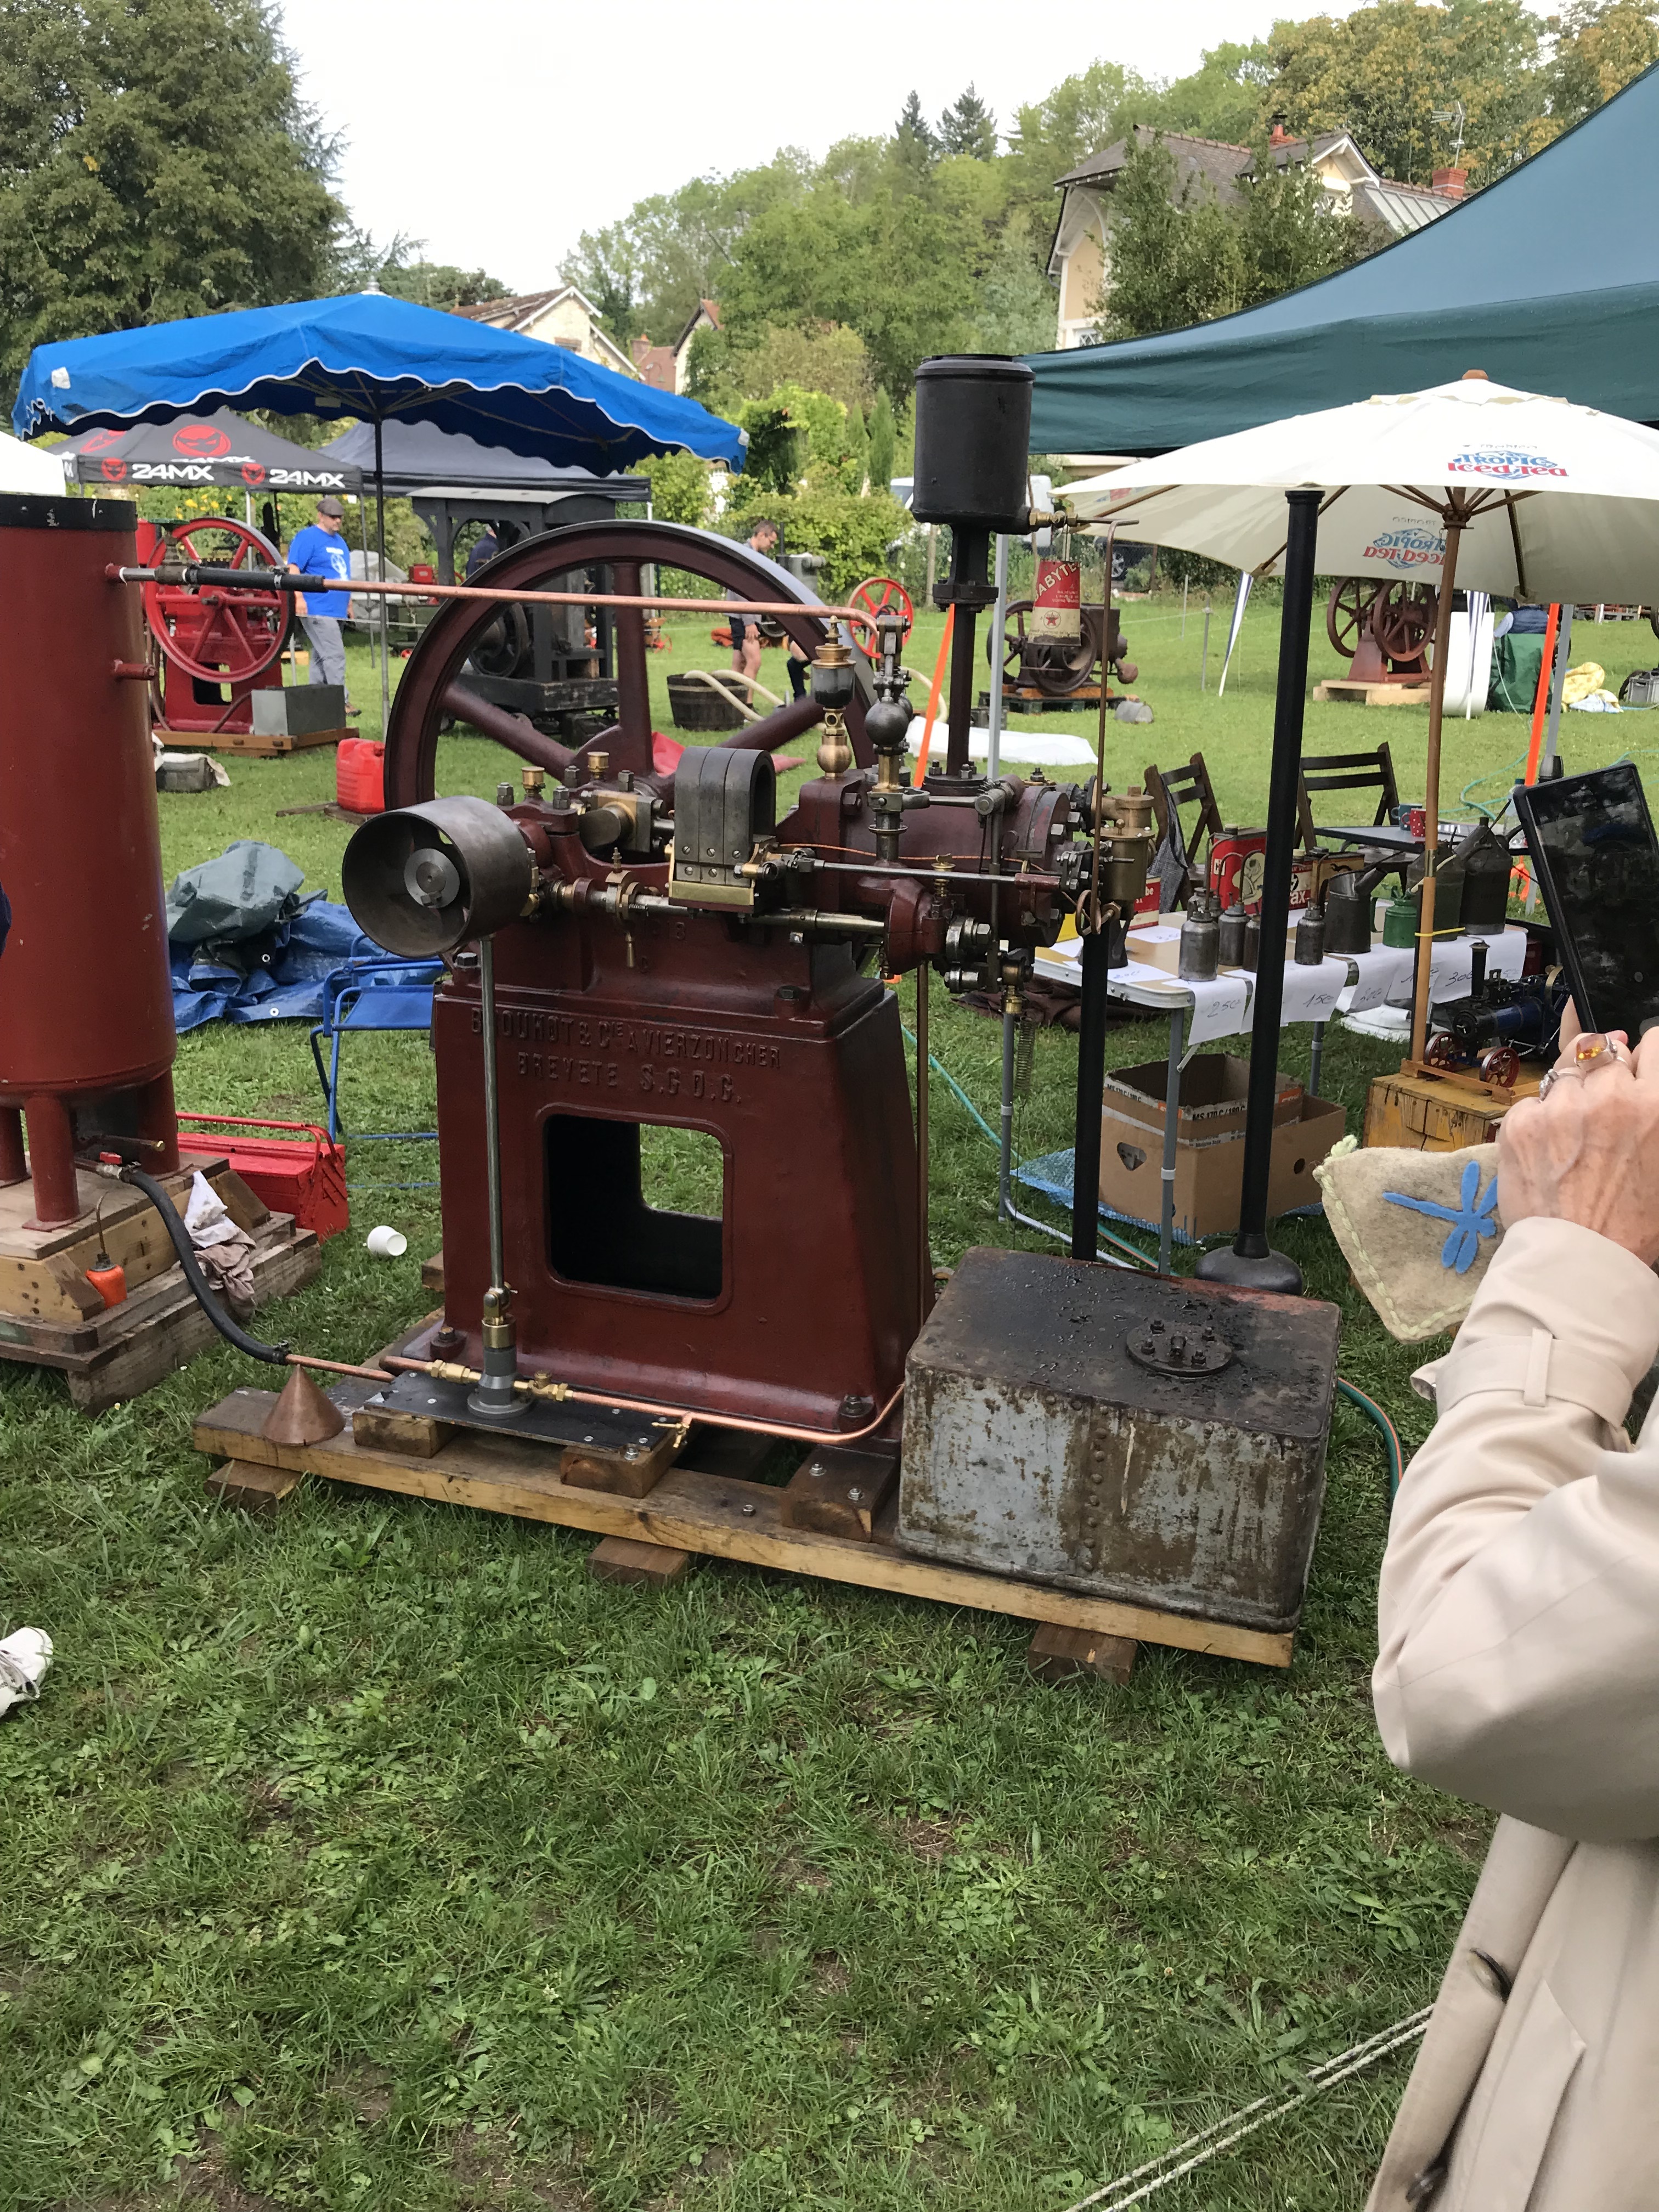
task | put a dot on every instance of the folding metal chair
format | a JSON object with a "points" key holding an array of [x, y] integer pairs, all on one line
{"points": [[1172, 788], [1322, 771], [378, 994]]}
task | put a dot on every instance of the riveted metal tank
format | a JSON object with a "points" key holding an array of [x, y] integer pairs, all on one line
{"points": [[86, 1005]]}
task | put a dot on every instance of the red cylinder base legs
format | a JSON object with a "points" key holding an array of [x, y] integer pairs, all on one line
{"points": [[52, 1162]]}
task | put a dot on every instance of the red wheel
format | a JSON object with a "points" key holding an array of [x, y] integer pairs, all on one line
{"points": [[1346, 611], [1500, 1064], [217, 636], [1403, 618], [880, 595]]}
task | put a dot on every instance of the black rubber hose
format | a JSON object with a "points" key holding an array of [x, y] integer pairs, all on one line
{"points": [[276, 1354]]}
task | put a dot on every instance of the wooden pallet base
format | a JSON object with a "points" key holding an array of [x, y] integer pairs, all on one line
{"points": [[245, 743], [1337, 690], [698, 1506], [123, 1350]]}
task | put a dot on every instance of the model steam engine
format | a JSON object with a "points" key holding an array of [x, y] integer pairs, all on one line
{"points": [[629, 950]]}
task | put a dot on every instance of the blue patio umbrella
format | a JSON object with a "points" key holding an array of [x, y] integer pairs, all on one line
{"points": [[367, 355]]}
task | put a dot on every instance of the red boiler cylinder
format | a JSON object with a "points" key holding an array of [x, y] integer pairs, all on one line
{"points": [[86, 1002]]}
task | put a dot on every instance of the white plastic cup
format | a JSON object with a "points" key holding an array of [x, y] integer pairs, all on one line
{"points": [[386, 1243]]}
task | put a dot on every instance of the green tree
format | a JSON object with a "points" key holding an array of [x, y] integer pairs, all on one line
{"points": [[1016, 302], [1223, 98], [1177, 256], [819, 357], [1289, 232], [679, 487], [155, 162], [1601, 44], [606, 267], [883, 439], [436, 284], [911, 134], [969, 127], [1384, 71]]}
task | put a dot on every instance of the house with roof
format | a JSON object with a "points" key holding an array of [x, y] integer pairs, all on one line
{"points": [[564, 317], [1079, 261], [708, 318]]}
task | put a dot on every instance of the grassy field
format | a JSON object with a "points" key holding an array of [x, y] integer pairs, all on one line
{"points": [[382, 1859]]}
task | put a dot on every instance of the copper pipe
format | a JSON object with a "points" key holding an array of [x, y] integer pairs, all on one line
{"points": [[682, 1413], [362, 586], [339, 1367]]}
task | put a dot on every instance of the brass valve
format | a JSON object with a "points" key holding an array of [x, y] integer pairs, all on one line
{"points": [[832, 687]]}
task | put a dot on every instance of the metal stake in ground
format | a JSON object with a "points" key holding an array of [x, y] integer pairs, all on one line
{"points": [[1250, 1261]]}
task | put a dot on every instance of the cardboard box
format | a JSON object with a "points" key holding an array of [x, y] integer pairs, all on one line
{"points": [[298, 711], [1214, 1094], [1210, 1170]]}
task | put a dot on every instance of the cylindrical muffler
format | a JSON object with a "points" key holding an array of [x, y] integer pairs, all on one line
{"points": [[973, 441]]}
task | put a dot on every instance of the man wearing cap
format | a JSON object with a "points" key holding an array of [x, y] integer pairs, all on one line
{"points": [[320, 549]]}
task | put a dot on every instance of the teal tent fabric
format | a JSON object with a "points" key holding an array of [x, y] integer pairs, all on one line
{"points": [[1549, 280]]}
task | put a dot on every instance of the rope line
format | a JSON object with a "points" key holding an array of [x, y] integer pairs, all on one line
{"points": [[1209, 2143]]}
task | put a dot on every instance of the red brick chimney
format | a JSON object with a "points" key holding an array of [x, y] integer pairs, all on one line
{"points": [[1279, 136], [1452, 182]]}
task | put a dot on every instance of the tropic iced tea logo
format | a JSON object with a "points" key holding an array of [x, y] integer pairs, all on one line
{"points": [[1503, 462]]}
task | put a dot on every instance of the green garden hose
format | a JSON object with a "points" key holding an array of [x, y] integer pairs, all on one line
{"points": [[1390, 1434]]}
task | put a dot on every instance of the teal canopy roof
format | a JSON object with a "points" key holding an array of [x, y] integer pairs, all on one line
{"points": [[1549, 280]]}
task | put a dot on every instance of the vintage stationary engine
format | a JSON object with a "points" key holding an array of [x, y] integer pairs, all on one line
{"points": [[663, 952]]}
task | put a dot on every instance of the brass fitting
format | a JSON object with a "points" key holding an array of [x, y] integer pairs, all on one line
{"points": [[533, 779]]}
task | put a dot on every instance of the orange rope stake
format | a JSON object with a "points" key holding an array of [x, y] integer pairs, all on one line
{"points": [[940, 667], [1545, 670]]}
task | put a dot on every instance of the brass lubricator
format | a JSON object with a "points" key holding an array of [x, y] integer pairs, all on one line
{"points": [[1123, 854], [832, 683], [887, 724]]}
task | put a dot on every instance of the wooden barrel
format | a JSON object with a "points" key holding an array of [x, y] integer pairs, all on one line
{"points": [[697, 706]]}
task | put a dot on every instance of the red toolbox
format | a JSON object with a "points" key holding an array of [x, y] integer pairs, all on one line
{"points": [[307, 1181]]}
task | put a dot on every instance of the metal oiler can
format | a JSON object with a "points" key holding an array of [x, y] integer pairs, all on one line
{"points": [[1232, 927], [1310, 939], [1199, 956]]}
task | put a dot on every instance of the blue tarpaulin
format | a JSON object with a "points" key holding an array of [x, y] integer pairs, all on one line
{"points": [[1540, 280], [279, 976], [366, 355]]}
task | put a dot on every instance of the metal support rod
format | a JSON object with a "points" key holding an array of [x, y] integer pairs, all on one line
{"points": [[1171, 1130], [492, 1110], [999, 625], [1250, 1259], [1185, 582], [1422, 970], [1317, 1058], [959, 713], [1005, 1163], [1204, 659], [362, 534], [925, 1254], [1090, 1092], [380, 543]]}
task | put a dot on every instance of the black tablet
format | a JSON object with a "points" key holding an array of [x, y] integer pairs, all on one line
{"points": [[1597, 864]]}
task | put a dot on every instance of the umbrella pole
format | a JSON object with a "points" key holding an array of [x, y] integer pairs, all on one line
{"points": [[1431, 791], [380, 541], [1251, 1262]]}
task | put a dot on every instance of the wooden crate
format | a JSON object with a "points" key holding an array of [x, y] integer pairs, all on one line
{"points": [[703, 1503], [51, 1316], [1426, 1109], [1338, 690], [274, 747]]}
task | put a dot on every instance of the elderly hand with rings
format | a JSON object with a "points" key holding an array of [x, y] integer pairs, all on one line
{"points": [[1518, 1626]]}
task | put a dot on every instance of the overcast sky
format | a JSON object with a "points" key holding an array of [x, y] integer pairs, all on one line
{"points": [[498, 130]]}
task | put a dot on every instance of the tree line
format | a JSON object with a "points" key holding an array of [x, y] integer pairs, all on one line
{"points": [[157, 160]]}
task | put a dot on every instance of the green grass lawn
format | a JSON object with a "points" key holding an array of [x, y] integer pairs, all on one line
{"points": [[381, 1858]]}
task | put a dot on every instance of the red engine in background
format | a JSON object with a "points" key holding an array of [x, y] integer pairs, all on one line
{"points": [[86, 1001], [215, 647]]}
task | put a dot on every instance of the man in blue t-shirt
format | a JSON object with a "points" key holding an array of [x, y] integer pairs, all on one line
{"points": [[320, 549]]}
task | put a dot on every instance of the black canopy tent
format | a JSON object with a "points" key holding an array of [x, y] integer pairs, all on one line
{"points": [[221, 449], [1549, 280]]}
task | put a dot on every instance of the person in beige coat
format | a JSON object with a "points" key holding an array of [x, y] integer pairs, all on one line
{"points": [[1519, 1667]]}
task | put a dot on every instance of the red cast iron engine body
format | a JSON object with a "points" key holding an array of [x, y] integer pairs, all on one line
{"points": [[624, 1004], [86, 1001]]}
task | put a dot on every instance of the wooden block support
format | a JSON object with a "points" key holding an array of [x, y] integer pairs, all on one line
{"points": [[840, 1492], [622, 1560], [261, 1490], [414, 1434], [1057, 1654], [432, 1273]]}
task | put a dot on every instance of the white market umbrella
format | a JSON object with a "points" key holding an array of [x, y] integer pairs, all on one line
{"points": [[1508, 491], [29, 468]]}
